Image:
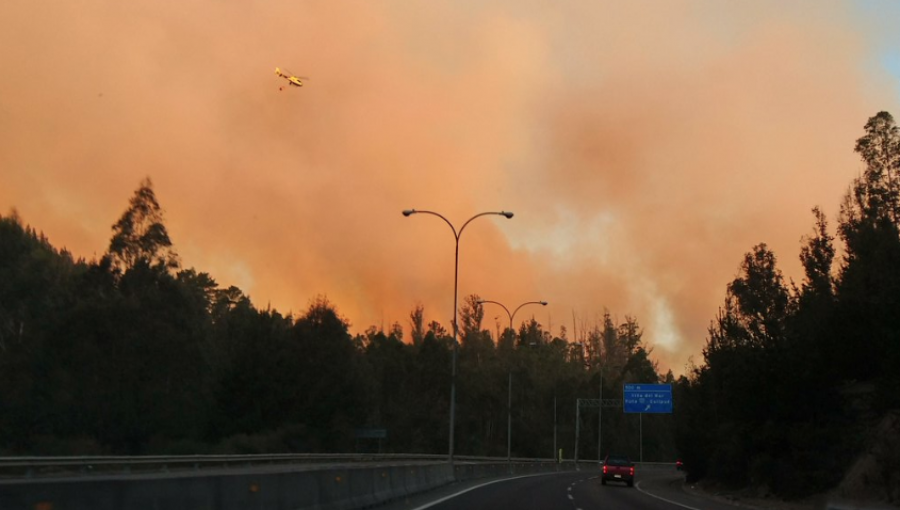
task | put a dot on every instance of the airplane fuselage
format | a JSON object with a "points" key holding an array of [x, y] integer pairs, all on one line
{"points": [[292, 80]]}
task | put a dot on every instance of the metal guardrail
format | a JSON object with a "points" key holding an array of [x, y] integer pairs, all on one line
{"points": [[67, 466], [57, 466]]}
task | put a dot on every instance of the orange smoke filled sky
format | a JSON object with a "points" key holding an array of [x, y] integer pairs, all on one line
{"points": [[644, 146]]}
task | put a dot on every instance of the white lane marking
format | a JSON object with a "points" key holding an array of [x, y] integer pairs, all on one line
{"points": [[682, 505], [439, 501], [570, 496], [569, 489]]}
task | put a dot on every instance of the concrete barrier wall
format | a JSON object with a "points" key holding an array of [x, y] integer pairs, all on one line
{"points": [[344, 488]]}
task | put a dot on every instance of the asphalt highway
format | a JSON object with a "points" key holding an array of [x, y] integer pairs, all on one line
{"points": [[654, 490]]}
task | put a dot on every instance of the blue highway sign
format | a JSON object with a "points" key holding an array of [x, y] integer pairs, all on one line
{"points": [[647, 398]]}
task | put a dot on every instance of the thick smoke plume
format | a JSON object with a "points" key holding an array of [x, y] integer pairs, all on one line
{"points": [[643, 146]]}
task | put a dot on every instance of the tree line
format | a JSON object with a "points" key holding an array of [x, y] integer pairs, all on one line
{"points": [[134, 354], [794, 377]]}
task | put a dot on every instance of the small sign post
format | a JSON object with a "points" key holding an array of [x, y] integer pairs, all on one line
{"points": [[646, 398]]}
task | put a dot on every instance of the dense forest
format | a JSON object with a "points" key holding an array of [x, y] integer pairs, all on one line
{"points": [[794, 378], [134, 354]]}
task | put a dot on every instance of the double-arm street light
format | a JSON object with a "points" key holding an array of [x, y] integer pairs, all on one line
{"points": [[456, 235], [509, 395]]}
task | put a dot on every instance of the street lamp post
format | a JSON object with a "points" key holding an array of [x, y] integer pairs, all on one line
{"points": [[456, 235], [509, 395]]}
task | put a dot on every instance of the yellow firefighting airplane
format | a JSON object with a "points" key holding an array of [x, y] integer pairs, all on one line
{"points": [[293, 80]]}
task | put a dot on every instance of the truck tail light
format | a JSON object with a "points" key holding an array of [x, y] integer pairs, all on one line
{"points": [[604, 469], [632, 471]]}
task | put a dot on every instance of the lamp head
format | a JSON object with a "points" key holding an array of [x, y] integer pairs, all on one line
{"points": [[507, 214], [543, 303], [407, 212]]}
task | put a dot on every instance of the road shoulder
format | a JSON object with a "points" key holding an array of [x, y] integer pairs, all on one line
{"points": [[737, 498], [669, 487], [673, 488]]}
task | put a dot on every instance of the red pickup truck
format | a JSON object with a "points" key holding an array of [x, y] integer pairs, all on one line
{"points": [[618, 468]]}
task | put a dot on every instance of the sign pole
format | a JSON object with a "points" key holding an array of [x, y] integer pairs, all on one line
{"points": [[577, 429], [641, 436], [509, 426], [600, 421], [555, 451]]}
